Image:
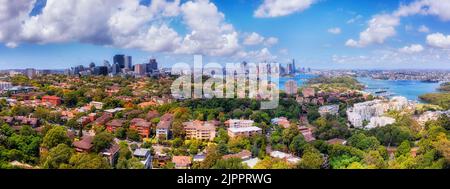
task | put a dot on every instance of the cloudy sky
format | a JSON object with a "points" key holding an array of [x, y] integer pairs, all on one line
{"points": [[385, 34]]}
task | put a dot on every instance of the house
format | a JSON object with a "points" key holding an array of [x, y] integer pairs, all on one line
{"points": [[54, 100], [113, 125], [251, 162], [308, 92], [244, 128], [141, 126], [92, 117], [237, 123], [84, 120], [112, 153], [8, 120], [285, 156], [112, 90], [182, 162], [329, 110], [281, 121], [102, 120], [307, 133], [85, 144], [33, 122], [164, 126], [115, 110], [97, 105], [244, 155], [199, 157], [22, 120], [392, 150], [337, 141], [147, 104], [161, 156], [152, 115], [132, 114], [244, 132], [144, 156], [200, 130]]}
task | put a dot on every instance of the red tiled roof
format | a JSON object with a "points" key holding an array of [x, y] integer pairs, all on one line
{"points": [[152, 114], [241, 155], [85, 143], [182, 161], [51, 98], [116, 123]]}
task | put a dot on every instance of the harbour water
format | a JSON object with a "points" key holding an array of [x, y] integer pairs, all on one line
{"points": [[407, 88], [301, 79]]}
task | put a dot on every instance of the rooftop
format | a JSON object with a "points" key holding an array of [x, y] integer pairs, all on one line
{"points": [[244, 129]]}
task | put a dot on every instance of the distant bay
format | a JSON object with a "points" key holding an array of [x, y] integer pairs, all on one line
{"points": [[407, 88], [301, 79]]}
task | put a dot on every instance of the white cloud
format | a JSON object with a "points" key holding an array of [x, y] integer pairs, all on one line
{"points": [[257, 39], [284, 52], [354, 19], [261, 55], [415, 48], [209, 34], [389, 57], [426, 7], [125, 24], [271, 41], [439, 40], [12, 14], [380, 28], [155, 39], [277, 8], [119, 23], [423, 29], [351, 43], [253, 39], [334, 30]]}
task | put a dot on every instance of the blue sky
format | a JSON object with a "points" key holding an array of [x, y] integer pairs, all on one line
{"points": [[314, 32]]}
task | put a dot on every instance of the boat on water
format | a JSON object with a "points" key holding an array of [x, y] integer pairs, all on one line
{"points": [[380, 92], [430, 81]]}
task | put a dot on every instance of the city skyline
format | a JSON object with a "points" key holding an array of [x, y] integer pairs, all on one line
{"points": [[385, 34]]}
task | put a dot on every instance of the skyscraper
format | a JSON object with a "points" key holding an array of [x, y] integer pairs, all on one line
{"points": [[119, 59], [92, 65], [139, 69], [294, 69], [30, 72], [115, 69], [107, 65], [152, 66], [101, 70], [128, 62]]}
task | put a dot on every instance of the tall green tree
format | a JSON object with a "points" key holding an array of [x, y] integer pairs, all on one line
{"points": [[56, 136]]}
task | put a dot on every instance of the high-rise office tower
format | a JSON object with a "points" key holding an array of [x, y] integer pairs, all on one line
{"points": [[101, 70], [115, 69], [120, 60], [92, 65], [139, 69], [152, 66], [30, 72], [128, 62], [294, 69]]}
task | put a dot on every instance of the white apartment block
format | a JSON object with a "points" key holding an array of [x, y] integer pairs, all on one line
{"points": [[367, 110], [237, 123], [242, 128], [5, 85]]}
